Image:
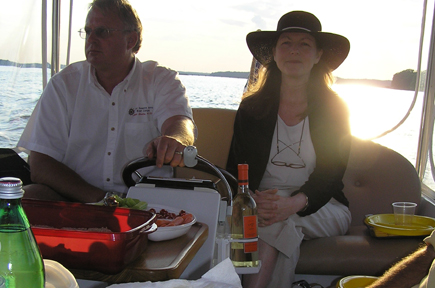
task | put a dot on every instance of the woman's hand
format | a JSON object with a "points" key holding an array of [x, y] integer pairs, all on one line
{"points": [[273, 208], [266, 206]]}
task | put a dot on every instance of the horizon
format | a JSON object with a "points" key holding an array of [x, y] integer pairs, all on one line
{"points": [[31, 65]]}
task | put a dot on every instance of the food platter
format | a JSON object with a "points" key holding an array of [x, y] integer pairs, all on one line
{"points": [[382, 225], [162, 233], [169, 232], [81, 236]]}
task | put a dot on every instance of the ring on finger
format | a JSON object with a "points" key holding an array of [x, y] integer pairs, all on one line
{"points": [[178, 152]]}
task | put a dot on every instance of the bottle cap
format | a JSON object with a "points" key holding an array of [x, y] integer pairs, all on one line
{"points": [[11, 188], [243, 172]]}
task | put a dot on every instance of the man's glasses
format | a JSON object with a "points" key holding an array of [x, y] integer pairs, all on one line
{"points": [[283, 163], [99, 32]]}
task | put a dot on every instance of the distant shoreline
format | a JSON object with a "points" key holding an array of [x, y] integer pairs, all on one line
{"points": [[338, 80], [367, 82], [228, 74], [27, 65]]}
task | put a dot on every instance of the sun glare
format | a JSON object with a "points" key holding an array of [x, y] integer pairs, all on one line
{"points": [[372, 110]]}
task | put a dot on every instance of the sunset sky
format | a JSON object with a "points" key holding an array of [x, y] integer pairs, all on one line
{"points": [[208, 36]]}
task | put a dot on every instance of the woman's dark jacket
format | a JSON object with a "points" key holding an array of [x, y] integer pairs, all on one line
{"points": [[330, 134]]}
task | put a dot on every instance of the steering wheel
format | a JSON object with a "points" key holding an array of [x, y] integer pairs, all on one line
{"points": [[202, 165]]}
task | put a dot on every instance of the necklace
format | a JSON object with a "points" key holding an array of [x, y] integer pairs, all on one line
{"points": [[300, 139], [283, 163]]}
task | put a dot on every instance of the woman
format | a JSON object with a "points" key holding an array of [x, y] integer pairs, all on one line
{"points": [[294, 133]]}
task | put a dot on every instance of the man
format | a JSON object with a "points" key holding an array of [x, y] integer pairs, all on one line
{"points": [[97, 115], [416, 271]]}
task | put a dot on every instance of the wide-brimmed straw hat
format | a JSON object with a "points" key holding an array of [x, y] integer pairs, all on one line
{"points": [[335, 47]]}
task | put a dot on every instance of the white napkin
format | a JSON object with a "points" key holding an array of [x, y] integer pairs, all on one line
{"points": [[222, 275]]}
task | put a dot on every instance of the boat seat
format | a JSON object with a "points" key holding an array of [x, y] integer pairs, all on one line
{"points": [[215, 131], [375, 177]]}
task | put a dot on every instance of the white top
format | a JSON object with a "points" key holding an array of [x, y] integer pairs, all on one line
{"points": [[288, 139], [80, 125]]}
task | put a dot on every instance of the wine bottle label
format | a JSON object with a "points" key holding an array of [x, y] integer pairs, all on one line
{"points": [[250, 231], [250, 247], [250, 226]]}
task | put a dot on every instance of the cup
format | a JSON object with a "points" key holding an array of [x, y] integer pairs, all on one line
{"points": [[403, 212]]}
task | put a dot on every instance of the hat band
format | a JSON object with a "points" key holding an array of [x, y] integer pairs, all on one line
{"points": [[298, 28]]}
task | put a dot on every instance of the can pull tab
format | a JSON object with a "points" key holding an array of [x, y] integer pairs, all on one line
{"points": [[189, 156]]}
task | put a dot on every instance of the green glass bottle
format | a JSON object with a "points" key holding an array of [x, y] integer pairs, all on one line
{"points": [[21, 263]]}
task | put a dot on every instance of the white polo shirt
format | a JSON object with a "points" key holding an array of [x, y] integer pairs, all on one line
{"points": [[96, 134]]}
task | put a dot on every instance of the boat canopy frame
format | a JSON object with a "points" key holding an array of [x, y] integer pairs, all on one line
{"points": [[55, 37], [425, 144]]}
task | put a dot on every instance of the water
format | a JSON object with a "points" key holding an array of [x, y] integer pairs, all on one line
{"points": [[20, 89], [373, 110]]}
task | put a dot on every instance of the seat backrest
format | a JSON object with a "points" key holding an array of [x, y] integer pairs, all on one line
{"points": [[376, 177], [215, 131]]}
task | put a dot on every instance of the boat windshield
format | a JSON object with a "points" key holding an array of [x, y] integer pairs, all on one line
{"points": [[383, 80]]}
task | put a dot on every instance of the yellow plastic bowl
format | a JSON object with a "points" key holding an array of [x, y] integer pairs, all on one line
{"points": [[356, 281]]}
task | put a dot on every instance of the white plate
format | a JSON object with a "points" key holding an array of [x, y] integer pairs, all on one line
{"points": [[171, 232], [57, 276]]}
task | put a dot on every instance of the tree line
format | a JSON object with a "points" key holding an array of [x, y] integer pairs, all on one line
{"points": [[406, 80]]}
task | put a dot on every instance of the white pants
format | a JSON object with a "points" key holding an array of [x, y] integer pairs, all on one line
{"points": [[286, 236]]}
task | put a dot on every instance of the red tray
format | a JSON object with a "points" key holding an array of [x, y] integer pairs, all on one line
{"points": [[65, 232]]}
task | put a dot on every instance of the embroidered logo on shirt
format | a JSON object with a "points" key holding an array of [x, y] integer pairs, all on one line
{"points": [[140, 111]]}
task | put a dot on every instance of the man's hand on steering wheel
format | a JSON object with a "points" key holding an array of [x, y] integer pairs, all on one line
{"points": [[166, 150]]}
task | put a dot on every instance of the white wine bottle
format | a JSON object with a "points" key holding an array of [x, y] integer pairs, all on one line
{"points": [[244, 225]]}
